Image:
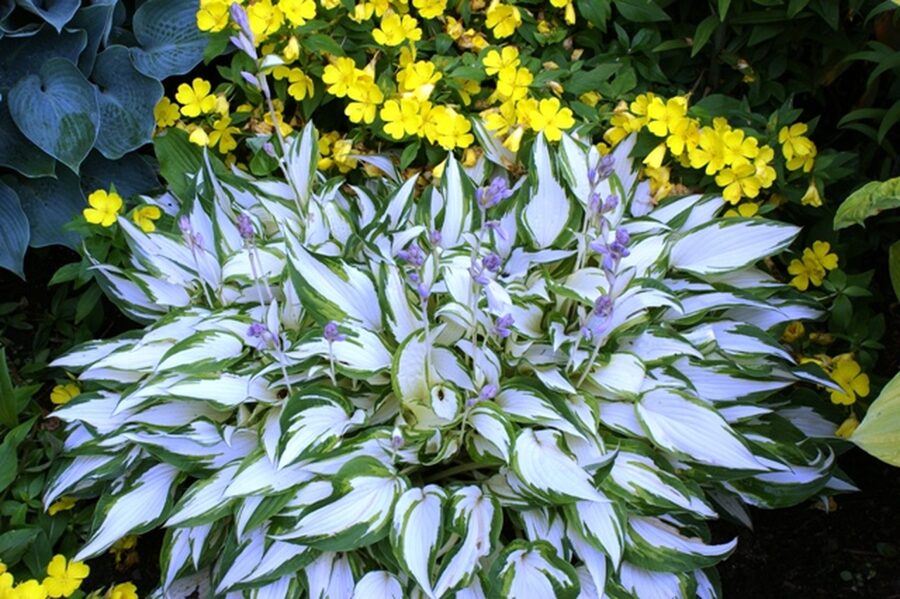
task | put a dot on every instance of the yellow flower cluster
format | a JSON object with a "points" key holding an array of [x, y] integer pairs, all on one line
{"points": [[813, 265], [847, 373], [742, 166], [196, 101], [103, 210], [518, 112], [62, 580], [336, 152]]}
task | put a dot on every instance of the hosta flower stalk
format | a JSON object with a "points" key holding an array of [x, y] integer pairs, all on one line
{"points": [[488, 386]]}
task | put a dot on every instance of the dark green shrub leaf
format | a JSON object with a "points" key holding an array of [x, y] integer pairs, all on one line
{"points": [[170, 42], [868, 200], [704, 31], [57, 110], [14, 543], [18, 153], [50, 204], [55, 12], [894, 267], [641, 11], [14, 240], [596, 11], [126, 101]]}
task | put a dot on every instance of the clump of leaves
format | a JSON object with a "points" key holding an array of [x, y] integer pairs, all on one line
{"points": [[78, 85], [495, 386]]}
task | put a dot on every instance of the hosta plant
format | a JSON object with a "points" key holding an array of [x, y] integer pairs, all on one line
{"points": [[488, 385]]}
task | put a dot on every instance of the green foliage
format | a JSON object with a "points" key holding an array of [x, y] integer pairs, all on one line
{"points": [[78, 84], [879, 431], [867, 201]]}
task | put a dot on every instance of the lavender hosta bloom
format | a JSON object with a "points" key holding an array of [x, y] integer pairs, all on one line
{"points": [[435, 237], [245, 227], [240, 18], [249, 77], [603, 306], [413, 255], [491, 262], [423, 290], [489, 391], [257, 330], [611, 203], [331, 333], [502, 326], [497, 227], [493, 194]]}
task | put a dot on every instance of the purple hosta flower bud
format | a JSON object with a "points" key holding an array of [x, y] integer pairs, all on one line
{"points": [[605, 168], [586, 332], [269, 149], [603, 306], [245, 44], [184, 223], [435, 237], [611, 203], [413, 255], [595, 202], [480, 278], [493, 194], [609, 263], [257, 330], [423, 290], [489, 391], [622, 237], [197, 240], [491, 262], [502, 324], [497, 227], [414, 277], [593, 175], [239, 16], [250, 77], [331, 332], [396, 439], [599, 246], [245, 227]]}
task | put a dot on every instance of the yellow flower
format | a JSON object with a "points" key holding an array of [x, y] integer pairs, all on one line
{"points": [[223, 135], [501, 119], [213, 15], [666, 117], [63, 394], [199, 137], [447, 128], [737, 182], [126, 590], [395, 30], [104, 208], [165, 113], [195, 98], [494, 61], [805, 162], [6, 583], [807, 270], [64, 579], [64, 503], [763, 163], [339, 76], [419, 78], [793, 331], [430, 9], [503, 19], [551, 119], [145, 216], [739, 149], [746, 210], [298, 12], [847, 427], [848, 374], [265, 19], [793, 142], [341, 152], [513, 83], [821, 253], [656, 156], [811, 197], [291, 50], [467, 89], [709, 153], [30, 589], [683, 135], [401, 117], [591, 98], [366, 98]]}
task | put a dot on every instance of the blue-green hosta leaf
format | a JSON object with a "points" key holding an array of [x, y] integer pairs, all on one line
{"points": [[55, 12], [16, 233], [357, 514], [126, 99], [139, 507], [50, 203], [96, 20], [416, 532], [525, 570], [548, 471], [331, 290], [672, 421], [329, 576], [477, 518], [313, 420], [17, 152], [170, 43], [132, 174], [378, 583], [546, 212], [601, 524], [57, 110], [723, 245], [656, 545], [21, 56]]}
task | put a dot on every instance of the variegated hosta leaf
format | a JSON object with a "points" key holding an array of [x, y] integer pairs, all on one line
{"points": [[350, 388]]}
